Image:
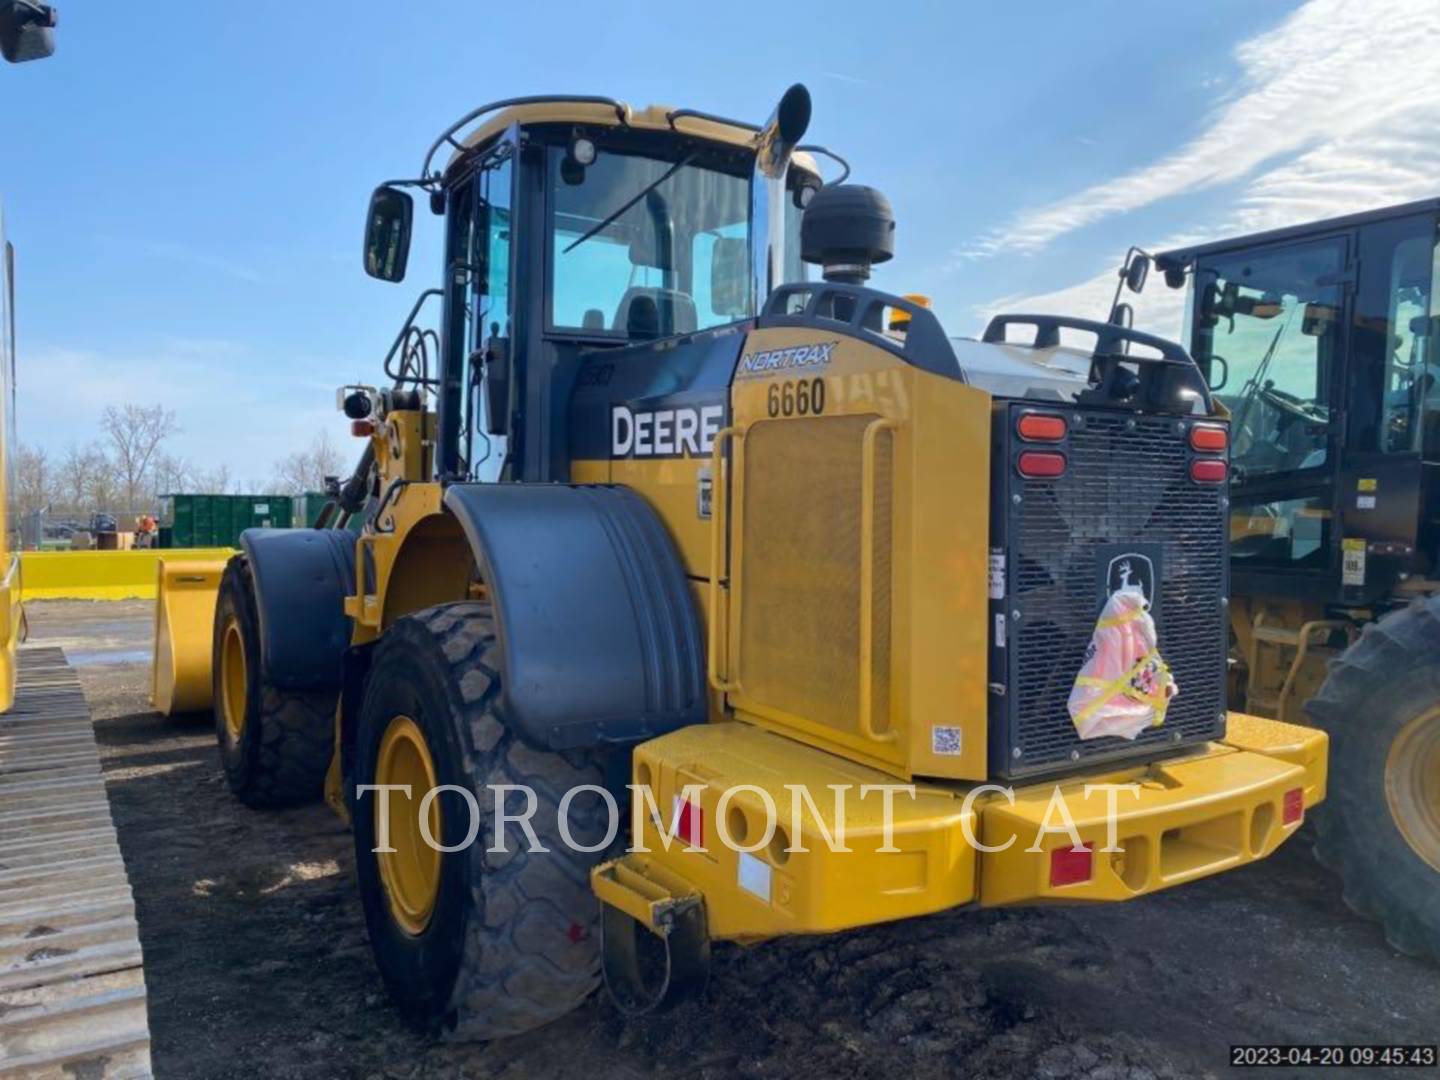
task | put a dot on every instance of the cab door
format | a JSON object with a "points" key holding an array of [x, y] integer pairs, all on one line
{"points": [[1269, 331]]}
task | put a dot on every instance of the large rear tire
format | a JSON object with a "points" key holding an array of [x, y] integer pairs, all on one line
{"points": [[474, 943], [275, 745], [1379, 827]]}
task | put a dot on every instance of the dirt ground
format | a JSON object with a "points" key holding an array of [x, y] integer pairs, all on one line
{"points": [[258, 966]]}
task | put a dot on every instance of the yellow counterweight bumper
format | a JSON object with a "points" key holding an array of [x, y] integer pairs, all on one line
{"points": [[1141, 829]]}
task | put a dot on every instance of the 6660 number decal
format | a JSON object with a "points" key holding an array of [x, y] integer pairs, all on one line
{"points": [[796, 397]]}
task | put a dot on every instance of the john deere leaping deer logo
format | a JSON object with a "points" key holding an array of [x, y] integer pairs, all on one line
{"points": [[1131, 571]]}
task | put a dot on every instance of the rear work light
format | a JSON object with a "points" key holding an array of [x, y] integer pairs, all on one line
{"points": [[1041, 427], [1208, 438], [1293, 808], [1070, 866], [1040, 464], [1208, 471]]}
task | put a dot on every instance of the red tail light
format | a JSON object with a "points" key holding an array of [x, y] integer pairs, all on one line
{"points": [[1041, 427], [1040, 464], [362, 429], [1293, 808], [1071, 866], [1208, 471], [1208, 438]]}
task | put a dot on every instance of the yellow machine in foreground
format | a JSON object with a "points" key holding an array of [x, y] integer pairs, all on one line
{"points": [[650, 508]]}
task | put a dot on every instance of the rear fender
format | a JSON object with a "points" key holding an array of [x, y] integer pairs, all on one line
{"points": [[598, 624]]}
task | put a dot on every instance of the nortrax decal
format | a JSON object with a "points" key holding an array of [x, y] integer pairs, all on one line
{"points": [[682, 430], [795, 357]]}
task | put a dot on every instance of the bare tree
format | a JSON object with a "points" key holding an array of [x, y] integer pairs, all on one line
{"points": [[216, 481], [85, 479], [305, 470], [168, 475], [136, 433], [33, 479]]}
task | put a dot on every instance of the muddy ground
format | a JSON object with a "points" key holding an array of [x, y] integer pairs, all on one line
{"points": [[258, 966]]}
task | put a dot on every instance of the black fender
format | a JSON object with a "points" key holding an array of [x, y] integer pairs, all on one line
{"points": [[302, 577], [598, 625]]}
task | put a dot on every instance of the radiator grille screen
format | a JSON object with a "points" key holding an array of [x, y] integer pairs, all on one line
{"points": [[799, 585], [1127, 481]]}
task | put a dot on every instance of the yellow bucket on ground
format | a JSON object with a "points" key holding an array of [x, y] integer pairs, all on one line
{"points": [[103, 575], [186, 590]]}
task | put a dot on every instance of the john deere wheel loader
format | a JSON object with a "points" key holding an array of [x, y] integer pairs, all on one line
{"points": [[653, 510], [1320, 340]]}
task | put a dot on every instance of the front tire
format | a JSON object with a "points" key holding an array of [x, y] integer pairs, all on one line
{"points": [[474, 943], [1379, 827], [275, 745]]}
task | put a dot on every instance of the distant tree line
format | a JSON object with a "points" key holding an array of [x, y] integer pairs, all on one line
{"points": [[127, 468]]}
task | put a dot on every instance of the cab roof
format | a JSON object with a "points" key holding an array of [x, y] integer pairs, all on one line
{"points": [[1186, 255], [617, 114]]}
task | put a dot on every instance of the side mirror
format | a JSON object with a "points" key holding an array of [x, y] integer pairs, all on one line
{"points": [[27, 31], [387, 234], [1136, 271]]}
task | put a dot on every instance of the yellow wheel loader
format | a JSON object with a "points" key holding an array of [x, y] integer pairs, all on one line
{"points": [[848, 621]]}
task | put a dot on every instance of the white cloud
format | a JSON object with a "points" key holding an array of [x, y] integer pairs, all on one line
{"points": [[1346, 91]]}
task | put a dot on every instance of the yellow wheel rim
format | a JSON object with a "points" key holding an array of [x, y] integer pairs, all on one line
{"points": [[232, 680], [1412, 785], [411, 872]]}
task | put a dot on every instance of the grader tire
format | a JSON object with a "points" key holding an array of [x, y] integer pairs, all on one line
{"points": [[275, 745], [1371, 829], [498, 943]]}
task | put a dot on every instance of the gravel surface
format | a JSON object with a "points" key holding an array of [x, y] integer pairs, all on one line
{"points": [[258, 965]]}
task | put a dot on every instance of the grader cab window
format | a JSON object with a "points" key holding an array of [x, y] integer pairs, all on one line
{"points": [[1398, 385], [674, 262], [1271, 323]]}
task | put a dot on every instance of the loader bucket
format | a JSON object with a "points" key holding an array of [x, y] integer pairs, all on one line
{"points": [[184, 628]]}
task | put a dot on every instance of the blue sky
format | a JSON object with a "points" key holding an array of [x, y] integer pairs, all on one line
{"points": [[185, 184]]}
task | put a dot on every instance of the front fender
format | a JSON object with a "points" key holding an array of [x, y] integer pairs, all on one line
{"points": [[302, 577], [598, 625]]}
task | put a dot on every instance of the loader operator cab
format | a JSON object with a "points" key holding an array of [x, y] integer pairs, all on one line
{"points": [[563, 238], [1320, 340]]}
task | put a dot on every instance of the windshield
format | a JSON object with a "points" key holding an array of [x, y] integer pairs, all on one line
{"points": [[676, 261]]}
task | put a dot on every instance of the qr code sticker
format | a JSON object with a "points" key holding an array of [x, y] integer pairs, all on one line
{"points": [[945, 740]]}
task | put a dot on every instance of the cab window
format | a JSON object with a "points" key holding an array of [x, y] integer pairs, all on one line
{"points": [[1268, 331], [642, 248], [1397, 382]]}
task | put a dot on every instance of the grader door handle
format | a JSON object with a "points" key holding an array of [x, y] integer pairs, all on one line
{"points": [[719, 500], [867, 578]]}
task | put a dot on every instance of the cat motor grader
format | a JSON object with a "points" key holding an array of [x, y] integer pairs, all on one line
{"points": [[653, 519], [1320, 340]]}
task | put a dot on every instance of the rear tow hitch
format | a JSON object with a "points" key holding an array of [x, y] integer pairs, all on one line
{"points": [[670, 962]]}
